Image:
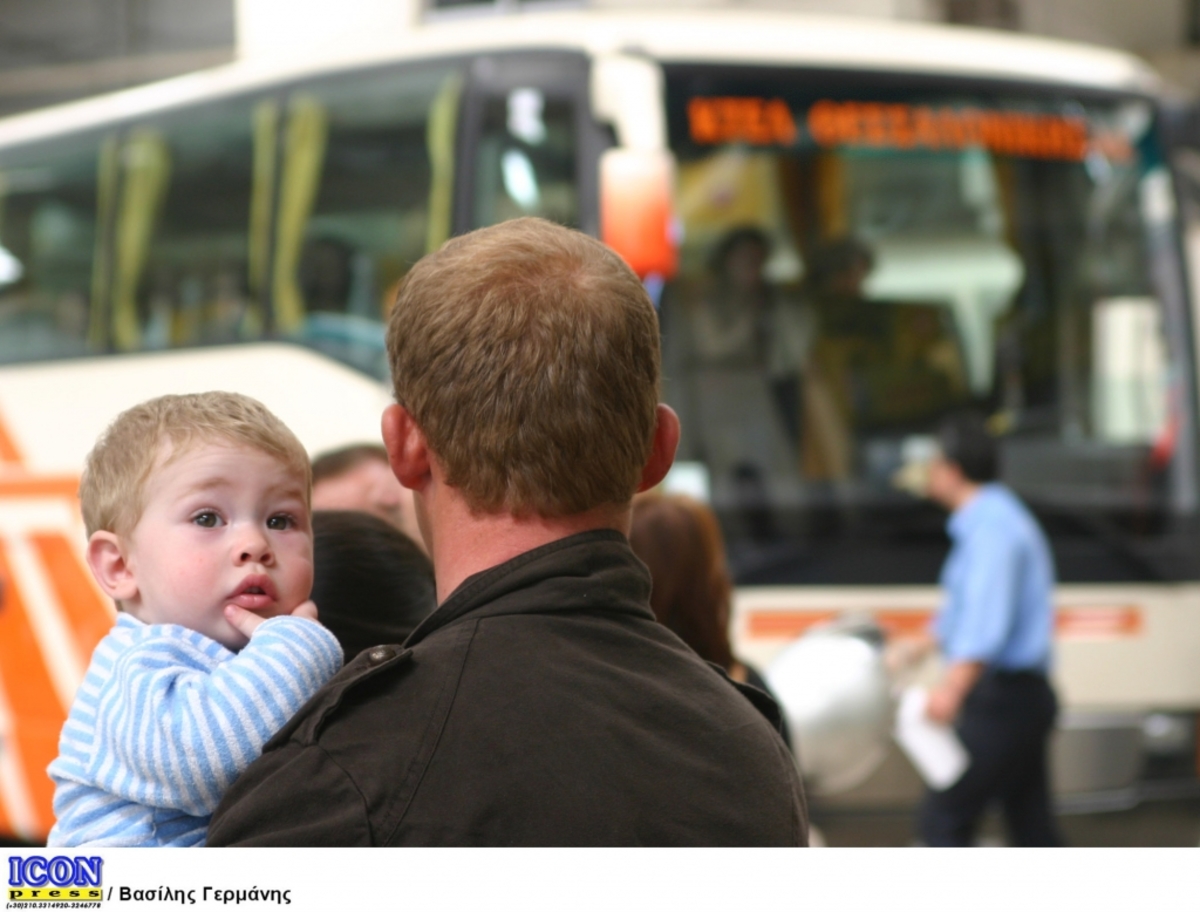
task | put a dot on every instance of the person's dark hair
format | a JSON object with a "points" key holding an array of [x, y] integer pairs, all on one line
{"points": [[837, 256], [326, 273], [743, 234], [964, 440], [680, 541], [371, 582], [338, 462]]}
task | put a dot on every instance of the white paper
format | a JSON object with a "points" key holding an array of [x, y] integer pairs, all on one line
{"points": [[933, 748]]}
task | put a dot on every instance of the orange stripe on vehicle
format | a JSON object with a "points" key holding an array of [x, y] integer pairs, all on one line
{"points": [[40, 486], [1098, 623], [37, 714], [7, 829], [8, 447], [792, 623], [1069, 623], [89, 614], [785, 624], [904, 623]]}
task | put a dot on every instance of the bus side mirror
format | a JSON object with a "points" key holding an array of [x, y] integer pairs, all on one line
{"points": [[637, 218]]}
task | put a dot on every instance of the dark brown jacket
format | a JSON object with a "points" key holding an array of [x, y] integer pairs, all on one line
{"points": [[541, 704]]}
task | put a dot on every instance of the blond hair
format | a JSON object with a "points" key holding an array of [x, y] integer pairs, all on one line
{"points": [[528, 354], [112, 489]]}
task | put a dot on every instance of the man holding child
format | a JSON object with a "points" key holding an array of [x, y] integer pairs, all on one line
{"points": [[541, 703]]}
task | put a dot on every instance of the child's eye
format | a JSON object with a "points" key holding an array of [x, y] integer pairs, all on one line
{"points": [[280, 522], [207, 519]]}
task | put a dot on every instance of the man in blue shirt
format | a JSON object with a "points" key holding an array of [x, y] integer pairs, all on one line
{"points": [[994, 631]]}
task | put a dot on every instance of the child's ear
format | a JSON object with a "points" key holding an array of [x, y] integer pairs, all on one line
{"points": [[107, 560]]}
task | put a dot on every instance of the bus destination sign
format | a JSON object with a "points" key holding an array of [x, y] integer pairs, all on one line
{"points": [[892, 126]]}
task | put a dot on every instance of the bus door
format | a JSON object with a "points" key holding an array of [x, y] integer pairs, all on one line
{"points": [[529, 145]]}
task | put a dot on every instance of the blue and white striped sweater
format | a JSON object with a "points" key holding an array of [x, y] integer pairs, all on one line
{"points": [[166, 719]]}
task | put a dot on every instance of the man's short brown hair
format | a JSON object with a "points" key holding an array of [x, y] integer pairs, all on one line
{"points": [[528, 354], [112, 489]]}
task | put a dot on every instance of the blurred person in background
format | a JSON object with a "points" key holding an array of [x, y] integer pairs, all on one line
{"points": [[358, 477], [371, 583], [822, 346], [994, 633], [718, 357], [680, 541], [730, 327]]}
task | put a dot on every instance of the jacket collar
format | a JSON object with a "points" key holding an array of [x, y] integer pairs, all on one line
{"points": [[588, 571]]}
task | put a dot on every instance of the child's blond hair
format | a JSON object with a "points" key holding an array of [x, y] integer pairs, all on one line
{"points": [[112, 489]]}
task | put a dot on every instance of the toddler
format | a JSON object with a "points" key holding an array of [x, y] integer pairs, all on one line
{"points": [[198, 520]]}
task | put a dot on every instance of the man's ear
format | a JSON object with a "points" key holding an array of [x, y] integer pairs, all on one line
{"points": [[112, 571], [662, 453], [407, 450]]}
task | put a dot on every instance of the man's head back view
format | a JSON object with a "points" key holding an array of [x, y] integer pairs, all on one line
{"points": [[525, 363]]}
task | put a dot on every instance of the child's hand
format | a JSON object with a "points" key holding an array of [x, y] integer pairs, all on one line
{"points": [[246, 622], [243, 621], [306, 610]]}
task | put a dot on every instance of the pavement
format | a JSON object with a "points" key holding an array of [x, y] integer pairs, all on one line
{"points": [[1152, 823]]}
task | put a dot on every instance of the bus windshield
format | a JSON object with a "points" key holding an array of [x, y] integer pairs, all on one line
{"points": [[862, 256]]}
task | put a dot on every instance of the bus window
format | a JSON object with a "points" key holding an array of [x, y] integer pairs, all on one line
{"points": [[528, 144], [526, 159], [378, 201], [181, 244], [47, 242], [859, 260]]}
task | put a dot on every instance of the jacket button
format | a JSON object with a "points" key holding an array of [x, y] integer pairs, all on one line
{"points": [[380, 654]]}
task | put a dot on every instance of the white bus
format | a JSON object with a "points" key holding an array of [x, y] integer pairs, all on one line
{"points": [[851, 228]]}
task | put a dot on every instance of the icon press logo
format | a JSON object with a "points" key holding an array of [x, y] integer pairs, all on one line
{"points": [[35, 879]]}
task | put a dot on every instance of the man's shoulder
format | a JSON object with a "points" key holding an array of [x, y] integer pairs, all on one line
{"points": [[503, 670], [1006, 515], [530, 705], [386, 687], [400, 681]]}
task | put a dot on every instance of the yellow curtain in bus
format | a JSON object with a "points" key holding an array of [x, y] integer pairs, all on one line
{"points": [[831, 196], [147, 165], [439, 143], [262, 198], [108, 165], [303, 155]]}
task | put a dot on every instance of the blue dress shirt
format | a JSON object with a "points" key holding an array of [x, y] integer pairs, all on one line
{"points": [[999, 583]]}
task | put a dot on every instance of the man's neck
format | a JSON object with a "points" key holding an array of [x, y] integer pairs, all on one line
{"points": [[463, 543], [964, 495]]}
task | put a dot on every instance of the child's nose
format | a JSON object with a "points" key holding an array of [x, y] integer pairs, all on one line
{"points": [[254, 548]]}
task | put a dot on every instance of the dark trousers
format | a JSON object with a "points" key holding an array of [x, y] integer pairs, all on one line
{"points": [[1004, 724]]}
